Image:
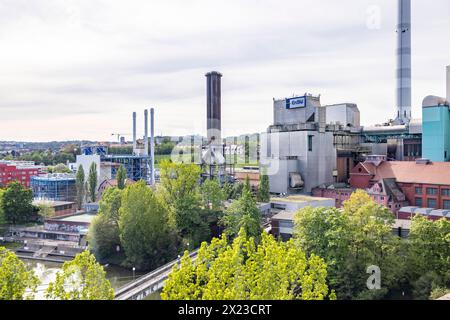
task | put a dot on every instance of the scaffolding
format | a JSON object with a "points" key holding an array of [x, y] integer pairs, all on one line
{"points": [[54, 187], [138, 167]]}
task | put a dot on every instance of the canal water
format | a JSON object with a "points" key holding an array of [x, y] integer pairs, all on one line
{"points": [[46, 272]]}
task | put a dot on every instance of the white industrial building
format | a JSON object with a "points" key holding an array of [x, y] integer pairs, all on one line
{"points": [[301, 149]]}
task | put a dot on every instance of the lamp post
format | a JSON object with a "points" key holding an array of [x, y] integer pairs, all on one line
{"points": [[134, 269]]}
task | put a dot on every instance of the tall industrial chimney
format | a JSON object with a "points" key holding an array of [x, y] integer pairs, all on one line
{"points": [[404, 62], [134, 132], [213, 105], [448, 83], [146, 132], [152, 145]]}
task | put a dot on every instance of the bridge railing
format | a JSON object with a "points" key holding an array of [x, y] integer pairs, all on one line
{"points": [[152, 274]]}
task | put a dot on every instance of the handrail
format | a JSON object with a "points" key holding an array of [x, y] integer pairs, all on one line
{"points": [[150, 275]]}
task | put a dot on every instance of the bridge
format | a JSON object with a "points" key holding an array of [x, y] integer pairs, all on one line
{"points": [[148, 283]]}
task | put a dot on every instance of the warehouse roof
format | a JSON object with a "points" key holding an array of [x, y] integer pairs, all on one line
{"points": [[410, 172]]}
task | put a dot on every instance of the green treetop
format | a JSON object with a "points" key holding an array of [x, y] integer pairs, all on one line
{"points": [[17, 204], [243, 213], [145, 233], [103, 232], [92, 179], [242, 271], [121, 177], [81, 279], [15, 279], [80, 186]]}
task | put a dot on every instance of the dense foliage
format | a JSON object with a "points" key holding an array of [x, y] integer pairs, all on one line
{"points": [[121, 177], [81, 279], [145, 233], [243, 271], [81, 190], [104, 235], [243, 214], [92, 182], [15, 279], [179, 191], [16, 203]]}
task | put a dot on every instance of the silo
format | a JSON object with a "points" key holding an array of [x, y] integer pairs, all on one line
{"points": [[213, 105]]}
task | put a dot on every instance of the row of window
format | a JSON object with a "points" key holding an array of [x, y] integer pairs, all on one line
{"points": [[432, 203], [433, 191]]}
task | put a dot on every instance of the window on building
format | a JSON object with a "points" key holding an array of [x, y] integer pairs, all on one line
{"points": [[432, 191], [446, 205], [310, 143], [418, 190], [432, 203], [446, 192], [418, 202]]}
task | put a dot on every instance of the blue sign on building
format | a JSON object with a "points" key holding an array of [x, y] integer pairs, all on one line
{"points": [[296, 103]]}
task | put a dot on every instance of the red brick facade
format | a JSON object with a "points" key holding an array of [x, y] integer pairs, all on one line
{"points": [[10, 173]]}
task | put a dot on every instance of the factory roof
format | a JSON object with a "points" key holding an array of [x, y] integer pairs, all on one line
{"points": [[83, 218], [298, 199], [52, 203], [284, 215], [55, 177], [437, 173]]}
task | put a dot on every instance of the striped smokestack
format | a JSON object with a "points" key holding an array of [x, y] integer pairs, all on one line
{"points": [[404, 62]]}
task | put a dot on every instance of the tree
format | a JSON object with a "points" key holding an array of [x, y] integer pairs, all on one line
{"points": [[92, 179], [104, 235], [243, 213], [46, 210], [263, 189], [17, 203], [212, 195], [428, 252], [179, 190], [145, 234], [350, 240], [81, 279], [2, 213], [238, 187], [80, 186], [61, 168], [121, 177], [242, 271], [15, 279]]}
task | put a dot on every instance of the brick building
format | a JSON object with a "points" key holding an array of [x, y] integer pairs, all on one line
{"points": [[424, 183], [17, 171]]}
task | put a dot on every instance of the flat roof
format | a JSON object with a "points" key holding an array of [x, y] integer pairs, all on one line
{"points": [[299, 199], [52, 203], [85, 218], [284, 215]]}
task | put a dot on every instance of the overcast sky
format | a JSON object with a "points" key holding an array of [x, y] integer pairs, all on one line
{"points": [[77, 69]]}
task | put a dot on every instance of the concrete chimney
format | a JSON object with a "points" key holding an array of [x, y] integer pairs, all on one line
{"points": [[134, 132], [448, 83], [213, 107], [146, 132], [152, 145], [404, 62]]}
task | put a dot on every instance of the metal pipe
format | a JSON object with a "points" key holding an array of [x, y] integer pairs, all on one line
{"points": [[146, 132], [152, 145], [134, 132]]}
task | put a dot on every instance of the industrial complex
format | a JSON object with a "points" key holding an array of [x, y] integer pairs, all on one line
{"points": [[309, 149]]}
